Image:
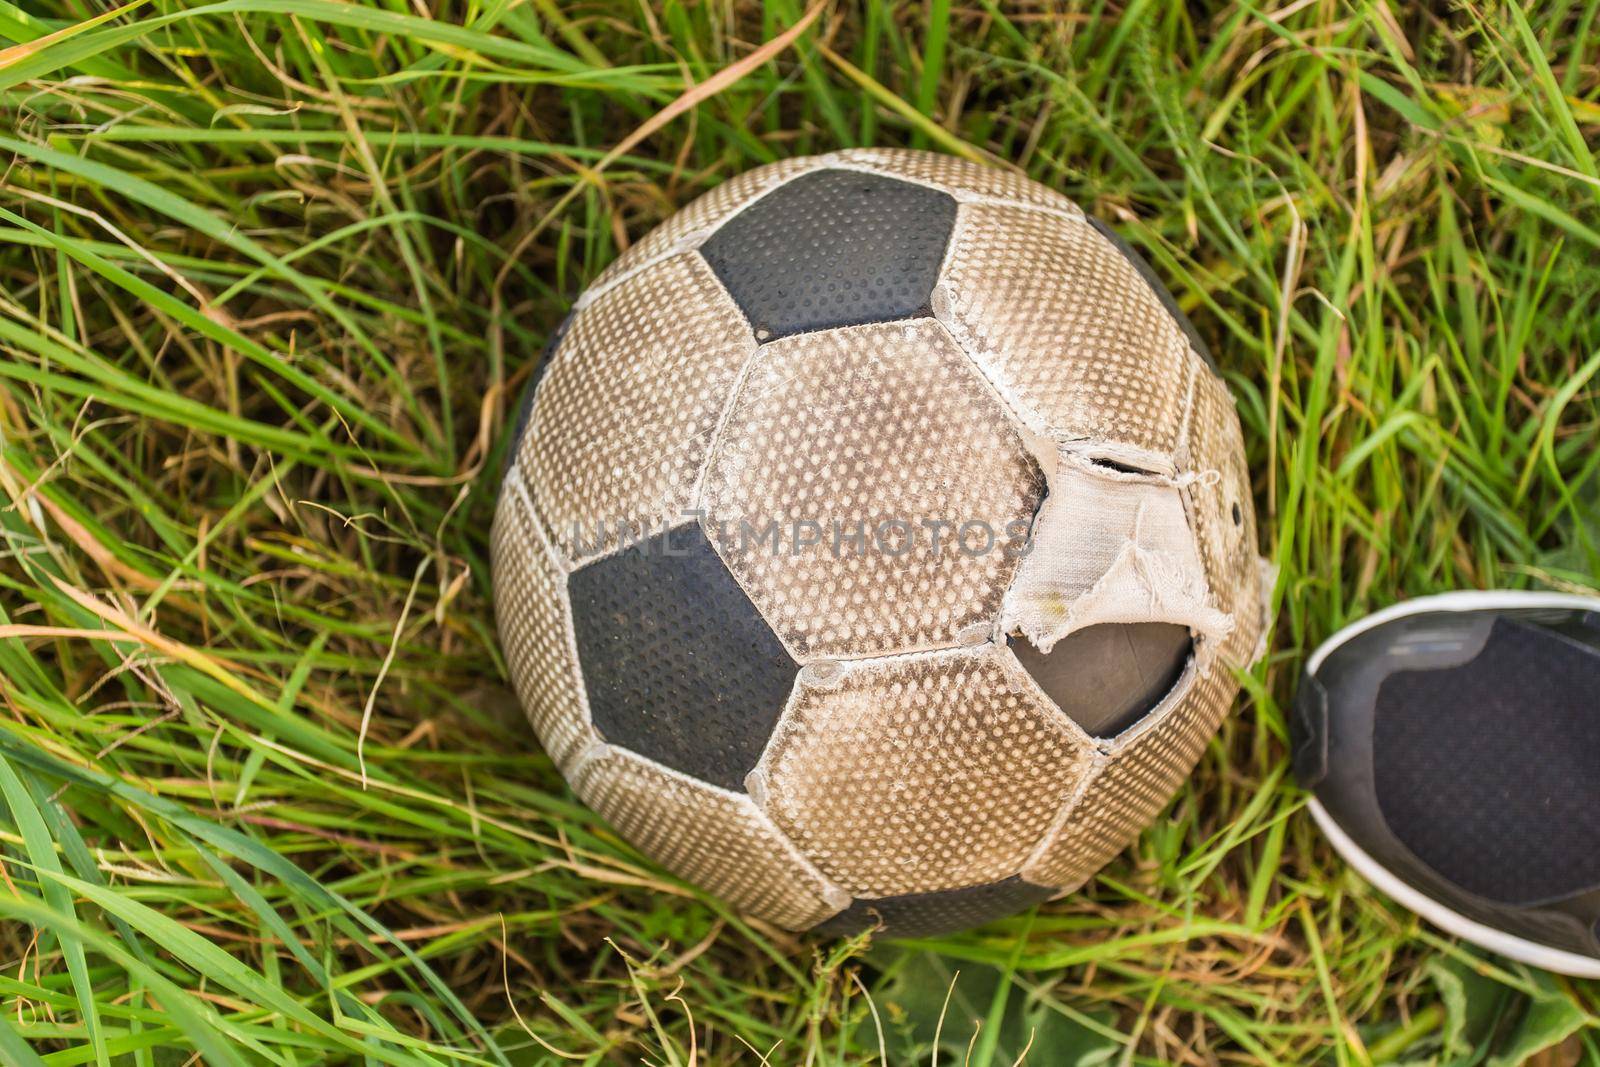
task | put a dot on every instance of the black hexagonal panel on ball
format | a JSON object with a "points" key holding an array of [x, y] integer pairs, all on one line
{"points": [[833, 248], [942, 912], [678, 664]]}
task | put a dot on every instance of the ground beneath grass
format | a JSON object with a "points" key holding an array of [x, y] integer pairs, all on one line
{"points": [[272, 274]]}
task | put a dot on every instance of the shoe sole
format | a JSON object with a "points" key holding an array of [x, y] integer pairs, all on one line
{"points": [[1451, 922]]}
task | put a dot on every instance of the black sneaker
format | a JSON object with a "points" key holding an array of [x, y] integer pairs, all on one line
{"points": [[1453, 747]]}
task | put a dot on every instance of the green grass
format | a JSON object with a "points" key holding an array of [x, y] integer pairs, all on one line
{"points": [[272, 273]]}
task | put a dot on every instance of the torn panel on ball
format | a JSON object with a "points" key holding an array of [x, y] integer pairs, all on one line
{"points": [[1109, 546], [1111, 601]]}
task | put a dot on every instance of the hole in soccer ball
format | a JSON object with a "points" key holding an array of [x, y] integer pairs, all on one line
{"points": [[1120, 467], [1108, 677]]}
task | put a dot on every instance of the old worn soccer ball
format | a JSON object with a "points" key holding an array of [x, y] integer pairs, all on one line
{"points": [[876, 547]]}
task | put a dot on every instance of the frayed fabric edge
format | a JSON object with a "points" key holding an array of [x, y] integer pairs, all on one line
{"points": [[1112, 546]]}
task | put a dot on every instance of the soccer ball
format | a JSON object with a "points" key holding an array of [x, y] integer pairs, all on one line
{"points": [[876, 548]]}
